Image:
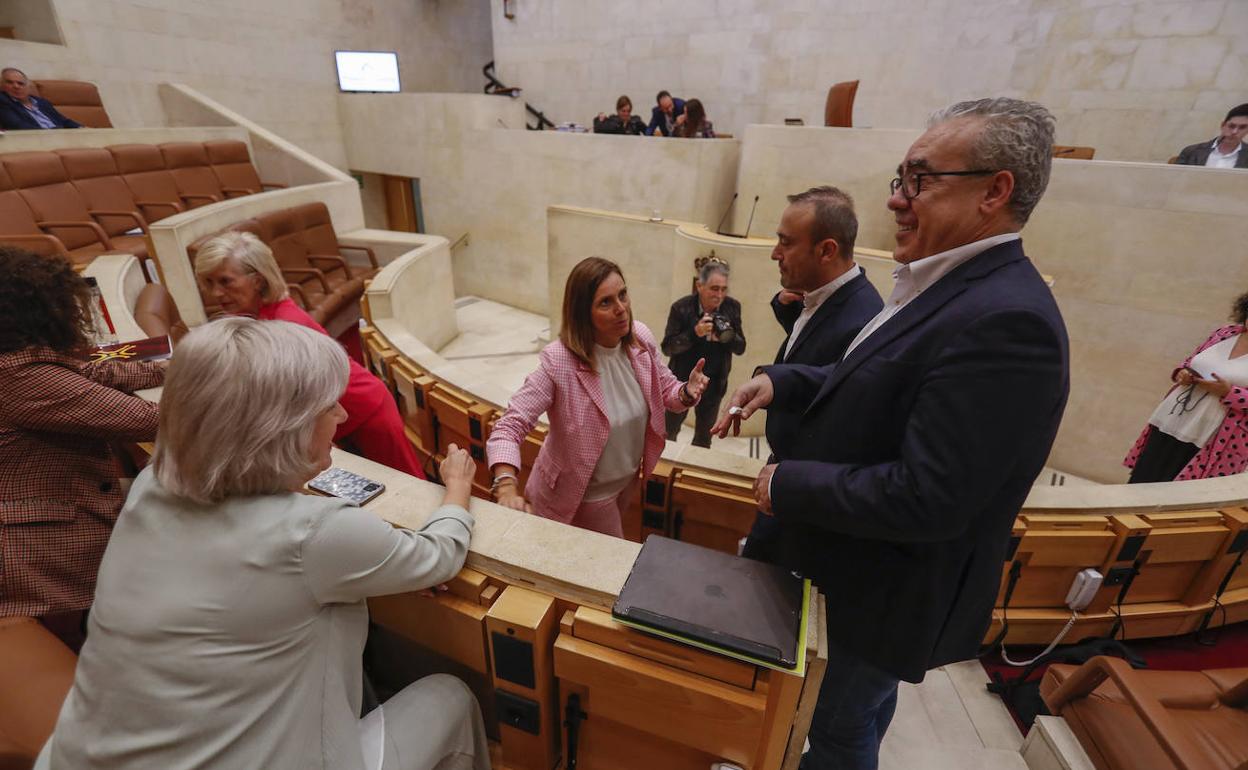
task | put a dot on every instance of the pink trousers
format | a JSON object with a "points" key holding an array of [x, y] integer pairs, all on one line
{"points": [[604, 515]]}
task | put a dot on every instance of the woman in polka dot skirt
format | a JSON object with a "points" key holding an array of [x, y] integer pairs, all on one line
{"points": [[1200, 429]]}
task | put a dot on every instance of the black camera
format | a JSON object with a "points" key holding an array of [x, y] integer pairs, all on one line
{"points": [[720, 323]]}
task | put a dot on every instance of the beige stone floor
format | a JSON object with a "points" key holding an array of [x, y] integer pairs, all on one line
{"points": [[948, 721]]}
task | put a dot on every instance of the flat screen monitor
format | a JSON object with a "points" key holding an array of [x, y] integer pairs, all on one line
{"points": [[370, 71]]}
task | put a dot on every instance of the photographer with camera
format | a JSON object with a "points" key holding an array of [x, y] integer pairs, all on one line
{"points": [[704, 324]]}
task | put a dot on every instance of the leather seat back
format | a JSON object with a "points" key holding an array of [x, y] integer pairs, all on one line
{"points": [[93, 171], [188, 164], [232, 164], [41, 179], [318, 229], [36, 672], [143, 169], [77, 100], [283, 232]]}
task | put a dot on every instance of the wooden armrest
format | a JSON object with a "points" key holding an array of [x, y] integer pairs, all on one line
{"points": [[100, 235], [177, 207], [1090, 675], [133, 216], [273, 185], [200, 196], [288, 271], [332, 258], [372, 256], [57, 248]]}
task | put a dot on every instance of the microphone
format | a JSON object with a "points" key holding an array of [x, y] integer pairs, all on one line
{"points": [[719, 228], [747, 224]]}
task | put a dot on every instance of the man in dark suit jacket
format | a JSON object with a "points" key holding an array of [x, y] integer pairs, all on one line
{"points": [[668, 113], [19, 110], [704, 325], [1228, 150], [917, 449], [824, 301]]}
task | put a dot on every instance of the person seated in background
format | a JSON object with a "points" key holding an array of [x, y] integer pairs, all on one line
{"points": [[704, 325], [695, 125], [238, 271], [20, 110], [230, 615], [668, 113], [622, 122], [604, 391], [1228, 150], [1200, 429], [59, 486]]}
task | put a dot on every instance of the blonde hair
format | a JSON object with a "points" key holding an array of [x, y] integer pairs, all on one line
{"points": [[239, 407], [252, 255]]}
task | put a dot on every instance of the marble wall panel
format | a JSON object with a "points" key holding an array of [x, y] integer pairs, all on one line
{"points": [[755, 61]]}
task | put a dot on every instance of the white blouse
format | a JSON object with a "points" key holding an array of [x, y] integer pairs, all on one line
{"points": [[1194, 414], [628, 413]]}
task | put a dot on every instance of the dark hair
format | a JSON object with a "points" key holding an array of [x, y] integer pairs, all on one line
{"points": [[1237, 112], [834, 217], [659, 98], [577, 334], [695, 118], [1239, 309], [43, 302], [623, 100]]}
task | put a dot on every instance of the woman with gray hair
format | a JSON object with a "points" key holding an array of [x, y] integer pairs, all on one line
{"points": [[230, 612], [239, 272]]}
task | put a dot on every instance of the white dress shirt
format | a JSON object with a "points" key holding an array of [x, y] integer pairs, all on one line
{"points": [[814, 299], [920, 275], [1217, 160]]}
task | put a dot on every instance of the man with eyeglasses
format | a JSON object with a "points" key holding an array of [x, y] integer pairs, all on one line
{"points": [[919, 446]]}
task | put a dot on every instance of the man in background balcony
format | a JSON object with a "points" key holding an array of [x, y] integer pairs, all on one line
{"points": [[20, 109], [917, 449], [1227, 150]]}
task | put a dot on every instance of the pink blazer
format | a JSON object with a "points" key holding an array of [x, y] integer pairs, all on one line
{"points": [[570, 394], [1227, 452]]}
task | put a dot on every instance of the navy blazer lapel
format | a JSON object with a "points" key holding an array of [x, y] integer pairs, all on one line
{"points": [[923, 306], [825, 310]]}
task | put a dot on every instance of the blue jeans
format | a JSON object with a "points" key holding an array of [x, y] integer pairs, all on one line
{"points": [[856, 704]]}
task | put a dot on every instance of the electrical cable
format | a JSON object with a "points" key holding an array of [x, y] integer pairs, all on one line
{"points": [[1061, 635]]}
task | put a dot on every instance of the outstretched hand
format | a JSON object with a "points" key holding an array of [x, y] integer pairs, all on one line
{"points": [[698, 381], [755, 394]]}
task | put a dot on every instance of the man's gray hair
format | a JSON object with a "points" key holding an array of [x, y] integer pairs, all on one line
{"points": [[7, 70], [1017, 136], [711, 267], [240, 405]]}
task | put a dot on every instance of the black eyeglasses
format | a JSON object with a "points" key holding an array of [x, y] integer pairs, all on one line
{"points": [[912, 184]]}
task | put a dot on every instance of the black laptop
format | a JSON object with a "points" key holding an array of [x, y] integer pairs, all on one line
{"points": [[716, 599]]}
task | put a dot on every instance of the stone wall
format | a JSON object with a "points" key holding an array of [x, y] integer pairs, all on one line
{"points": [[1136, 79], [271, 61]]}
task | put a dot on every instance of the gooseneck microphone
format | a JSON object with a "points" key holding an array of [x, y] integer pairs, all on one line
{"points": [[719, 228], [747, 224]]}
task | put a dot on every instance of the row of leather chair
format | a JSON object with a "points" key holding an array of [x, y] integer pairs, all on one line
{"points": [[310, 256], [81, 202], [75, 99]]}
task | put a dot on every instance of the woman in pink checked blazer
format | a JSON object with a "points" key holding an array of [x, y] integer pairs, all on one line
{"points": [[604, 390]]}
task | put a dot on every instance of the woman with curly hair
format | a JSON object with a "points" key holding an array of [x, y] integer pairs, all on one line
{"points": [[1200, 429], [59, 487]]}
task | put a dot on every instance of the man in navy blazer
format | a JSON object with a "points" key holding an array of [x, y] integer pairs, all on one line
{"points": [[824, 301], [668, 113], [20, 110], [917, 449]]}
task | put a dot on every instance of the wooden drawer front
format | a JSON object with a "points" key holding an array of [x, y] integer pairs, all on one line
{"points": [[447, 625], [598, 627], [1186, 544], [674, 705], [1049, 548]]}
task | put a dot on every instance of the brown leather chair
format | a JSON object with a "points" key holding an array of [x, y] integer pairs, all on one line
{"points": [[324, 250], [75, 99], [36, 672], [1128, 719], [59, 209], [17, 223], [232, 164], [188, 164], [157, 315], [1073, 153], [93, 172], [142, 167], [838, 111]]}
